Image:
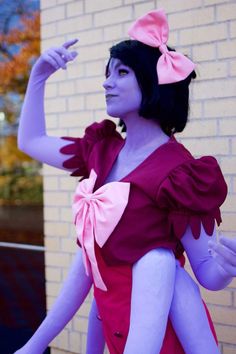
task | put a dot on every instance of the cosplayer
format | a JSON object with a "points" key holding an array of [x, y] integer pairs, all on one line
{"points": [[141, 202]]}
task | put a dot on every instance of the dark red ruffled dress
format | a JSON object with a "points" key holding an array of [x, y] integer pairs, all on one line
{"points": [[169, 191]]}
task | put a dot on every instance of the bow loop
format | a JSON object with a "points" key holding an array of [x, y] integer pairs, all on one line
{"points": [[152, 29], [96, 214]]}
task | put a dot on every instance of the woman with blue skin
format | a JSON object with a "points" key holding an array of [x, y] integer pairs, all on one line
{"points": [[160, 286]]}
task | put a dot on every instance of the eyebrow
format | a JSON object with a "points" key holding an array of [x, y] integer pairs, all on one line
{"points": [[117, 65]]}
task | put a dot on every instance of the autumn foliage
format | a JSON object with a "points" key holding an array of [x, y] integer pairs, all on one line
{"points": [[20, 182], [14, 71]]}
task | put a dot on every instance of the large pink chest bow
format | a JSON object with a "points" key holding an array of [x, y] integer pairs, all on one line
{"points": [[96, 215], [153, 29]]}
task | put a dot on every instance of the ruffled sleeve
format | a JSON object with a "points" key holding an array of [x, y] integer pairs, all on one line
{"points": [[79, 149], [192, 194]]}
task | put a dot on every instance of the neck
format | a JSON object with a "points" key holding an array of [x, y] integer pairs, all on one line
{"points": [[143, 133]]}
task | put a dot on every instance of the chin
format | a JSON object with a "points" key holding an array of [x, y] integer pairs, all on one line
{"points": [[113, 113]]}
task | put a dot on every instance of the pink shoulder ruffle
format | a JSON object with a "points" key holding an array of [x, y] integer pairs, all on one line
{"points": [[193, 193], [80, 148]]}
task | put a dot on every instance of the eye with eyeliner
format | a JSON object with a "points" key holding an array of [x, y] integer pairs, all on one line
{"points": [[123, 71]]}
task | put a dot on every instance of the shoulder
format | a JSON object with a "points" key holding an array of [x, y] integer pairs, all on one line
{"points": [[79, 149], [100, 130]]}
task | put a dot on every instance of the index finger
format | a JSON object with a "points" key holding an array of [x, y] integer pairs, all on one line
{"points": [[229, 243], [70, 43]]}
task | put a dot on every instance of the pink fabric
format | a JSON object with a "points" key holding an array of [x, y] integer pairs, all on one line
{"points": [[96, 214], [183, 187], [152, 29]]}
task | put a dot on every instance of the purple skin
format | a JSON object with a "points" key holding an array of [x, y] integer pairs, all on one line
{"points": [[176, 292]]}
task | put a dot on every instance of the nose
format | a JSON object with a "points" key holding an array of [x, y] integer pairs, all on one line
{"points": [[108, 83]]}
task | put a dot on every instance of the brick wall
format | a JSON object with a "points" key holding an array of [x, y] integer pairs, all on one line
{"points": [[203, 29]]}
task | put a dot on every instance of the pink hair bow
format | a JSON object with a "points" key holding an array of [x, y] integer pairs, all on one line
{"points": [[96, 214], [152, 29]]}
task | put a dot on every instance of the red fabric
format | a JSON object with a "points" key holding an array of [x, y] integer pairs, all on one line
{"points": [[169, 191], [114, 310]]}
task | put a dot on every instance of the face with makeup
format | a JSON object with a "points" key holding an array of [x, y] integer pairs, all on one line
{"points": [[123, 94]]}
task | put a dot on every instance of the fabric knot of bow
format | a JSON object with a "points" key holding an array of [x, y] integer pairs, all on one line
{"points": [[96, 215], [152, 29]]}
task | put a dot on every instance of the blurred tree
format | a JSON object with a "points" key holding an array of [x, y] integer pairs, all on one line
{"points": [[10, 156], [19, 48]]}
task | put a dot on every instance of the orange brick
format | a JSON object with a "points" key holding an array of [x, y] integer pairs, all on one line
{"points": [[57, 259], [62, 340], [100, 51], [113, 32], [95, 68], [74, 9], [93, 6], [214, 2], [229, 222], [52, 244], [58, 229], [90, 84], [75, 340], [74, 25], [51, 213], [207, 146], [208, 71], [110, 17], [192, 18], [228, 164], [226, 49], [233, 29], [89, 37], [203, 52], [196, 110], [53, 274], [49, 30], [95, 101], [50, 183], [223, 297], [53, 14], [222, 107], [223, 315], [141, 9], [56, 198], [66, 88], [225, 12], [171, 6], [214, 89], [55, 105], [75, 103], [226, 334], [199, 128], [232, 68], [203, 34], [80, 324], [227, 126], [46, 4], [233, 283], [227, 349], [230, 203]]}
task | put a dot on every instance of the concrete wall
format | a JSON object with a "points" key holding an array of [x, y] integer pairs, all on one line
{"points": [[203, 29]]}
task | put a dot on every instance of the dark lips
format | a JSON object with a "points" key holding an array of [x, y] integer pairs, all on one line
{"points": [[110, 96]]}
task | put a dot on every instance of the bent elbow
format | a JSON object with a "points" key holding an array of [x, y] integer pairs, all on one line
{"points": [[21, 144]]}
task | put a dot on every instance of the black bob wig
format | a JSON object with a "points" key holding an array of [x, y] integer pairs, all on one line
{"points": [[169, 103]]}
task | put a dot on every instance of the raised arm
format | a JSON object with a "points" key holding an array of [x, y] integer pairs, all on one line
{"points": [[72, 295], [32, 136]]}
